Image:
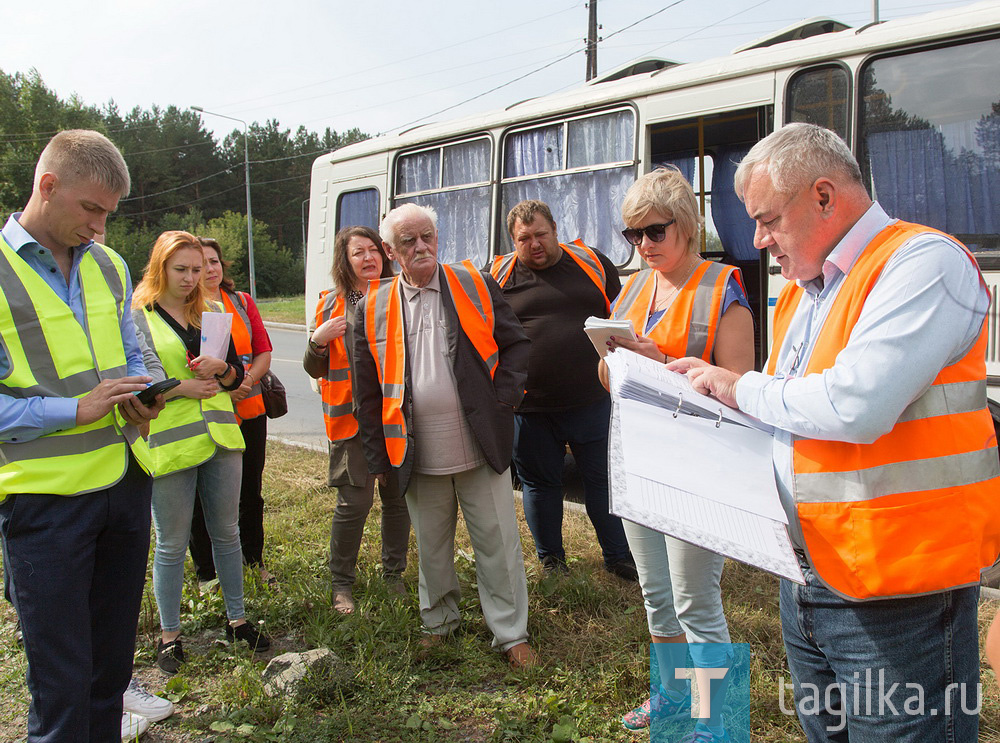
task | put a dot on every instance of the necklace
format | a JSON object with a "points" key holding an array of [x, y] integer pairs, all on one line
{"points": [[662, 303], [354, 296]]}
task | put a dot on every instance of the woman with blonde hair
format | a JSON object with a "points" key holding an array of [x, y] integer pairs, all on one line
{"points": [[682, 305], [253, 345], [195, 442], [357, 259]]}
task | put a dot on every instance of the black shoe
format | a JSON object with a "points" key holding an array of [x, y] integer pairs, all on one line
{"points": [[258, 641], [552, 564], [624, 569], [170, 656]]}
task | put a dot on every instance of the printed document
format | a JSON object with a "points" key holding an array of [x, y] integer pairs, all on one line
{"points": [[684, 464], [215, 330]]}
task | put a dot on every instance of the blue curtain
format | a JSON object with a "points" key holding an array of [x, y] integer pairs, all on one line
{"points": [[534, 151], [735, 228], [684, 163], [463, 223], [358, 208], [601, 139], [418, 172], [468, 162], [917, 177], [585, 205]]}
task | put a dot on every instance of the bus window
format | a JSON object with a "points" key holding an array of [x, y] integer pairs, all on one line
{"points": [[930, 139], [820, 96], [358, 208], [453, 180], [546, 163]]}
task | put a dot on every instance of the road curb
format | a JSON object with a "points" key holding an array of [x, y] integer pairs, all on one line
{"points": [[284, 326]]}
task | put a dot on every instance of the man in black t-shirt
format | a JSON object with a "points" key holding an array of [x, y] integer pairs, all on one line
{"points": [[552, 289]]}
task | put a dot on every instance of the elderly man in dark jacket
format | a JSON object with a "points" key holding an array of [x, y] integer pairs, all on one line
{"points": [[441, 363]]}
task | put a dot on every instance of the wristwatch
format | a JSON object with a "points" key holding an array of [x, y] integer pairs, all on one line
{"points": [[317, 347]]}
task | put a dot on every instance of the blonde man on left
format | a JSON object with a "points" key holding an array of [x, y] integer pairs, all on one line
{"points": [[74, 483]]}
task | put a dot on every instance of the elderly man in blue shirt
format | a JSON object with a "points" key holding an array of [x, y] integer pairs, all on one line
{"points": [[884, 451]]}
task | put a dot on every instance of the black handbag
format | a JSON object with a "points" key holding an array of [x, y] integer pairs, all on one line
{"points": [[273, 392]]}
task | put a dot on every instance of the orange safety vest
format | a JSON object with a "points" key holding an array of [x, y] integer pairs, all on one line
{"points": [[335, 386], [384, 330], [503, 267], [689, 325], [915, 511], [252, 405]]}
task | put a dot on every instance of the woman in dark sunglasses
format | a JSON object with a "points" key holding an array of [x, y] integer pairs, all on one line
{"points": [[682, 305]]}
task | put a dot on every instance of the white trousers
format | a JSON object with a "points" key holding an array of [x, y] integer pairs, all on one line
{"points": [[487, 501]]}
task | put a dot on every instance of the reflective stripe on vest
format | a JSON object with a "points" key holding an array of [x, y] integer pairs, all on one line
{"points": [[50, 354], [187, 431], [586, 259], [252, 405], [689, 326], [384, 330], [913, 512], [335, 386]]}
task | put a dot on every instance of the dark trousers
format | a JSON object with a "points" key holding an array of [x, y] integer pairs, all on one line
{"points": [[254, 432], [77, 566], [539, 449]]}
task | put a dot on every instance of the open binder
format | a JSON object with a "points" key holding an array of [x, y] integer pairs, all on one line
{"points": [[686, 465]]}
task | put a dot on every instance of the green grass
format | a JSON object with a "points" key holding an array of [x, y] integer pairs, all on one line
{"points": [[284, 309], [588, 626]]}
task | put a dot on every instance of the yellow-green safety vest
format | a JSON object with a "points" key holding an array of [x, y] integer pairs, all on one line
{"points": [[50, 354], [187, 431]]}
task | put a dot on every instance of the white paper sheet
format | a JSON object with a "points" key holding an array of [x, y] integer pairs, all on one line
{"points": [[215, 330], [683, 452], [696, 517]]}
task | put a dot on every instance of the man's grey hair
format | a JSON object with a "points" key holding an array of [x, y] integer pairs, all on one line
{"points": [[795, 156], [387, 230], [83, 155]]}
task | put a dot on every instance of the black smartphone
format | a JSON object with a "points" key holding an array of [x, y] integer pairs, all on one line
{"points": [[148, 396]]}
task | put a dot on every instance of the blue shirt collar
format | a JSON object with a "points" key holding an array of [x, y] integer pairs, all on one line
{"points": [[19, 238]]}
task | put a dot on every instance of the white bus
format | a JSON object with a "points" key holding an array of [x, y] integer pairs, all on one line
{"points": [[917, 99]]}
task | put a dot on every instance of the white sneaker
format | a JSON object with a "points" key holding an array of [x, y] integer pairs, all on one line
{"points": [[133, 726], [138, 701]]}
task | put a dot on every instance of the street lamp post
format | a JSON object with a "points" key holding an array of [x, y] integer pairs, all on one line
{"points": [[246, 166]]}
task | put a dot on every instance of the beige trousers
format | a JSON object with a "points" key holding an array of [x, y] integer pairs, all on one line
{"points": [[487, 501]]}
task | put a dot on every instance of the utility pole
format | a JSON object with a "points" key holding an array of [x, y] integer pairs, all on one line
{"points": [[592, 40]]}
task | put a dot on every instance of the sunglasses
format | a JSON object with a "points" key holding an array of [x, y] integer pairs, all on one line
{"points": [[655, 232]]}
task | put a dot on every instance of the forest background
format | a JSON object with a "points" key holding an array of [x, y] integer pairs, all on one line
{"points": [[182, 177]]}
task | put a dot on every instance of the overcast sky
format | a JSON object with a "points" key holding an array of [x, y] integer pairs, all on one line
{"points": [[373, 64]]}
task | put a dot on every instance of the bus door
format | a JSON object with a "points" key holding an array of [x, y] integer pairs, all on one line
{"points": [[707, 150]]}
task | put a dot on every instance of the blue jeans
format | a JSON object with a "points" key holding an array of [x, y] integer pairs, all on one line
{"points": [[539, 450], [76, 567], [902, 670], [218, 484], [680, 587]]}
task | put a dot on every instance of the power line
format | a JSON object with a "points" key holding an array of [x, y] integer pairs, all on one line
{"points": [[178, 188], [175, 206], [491, 90], [24, 137], [397, 62]]}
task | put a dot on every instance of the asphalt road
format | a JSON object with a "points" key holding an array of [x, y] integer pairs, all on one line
{"points": [[303, 424]]}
